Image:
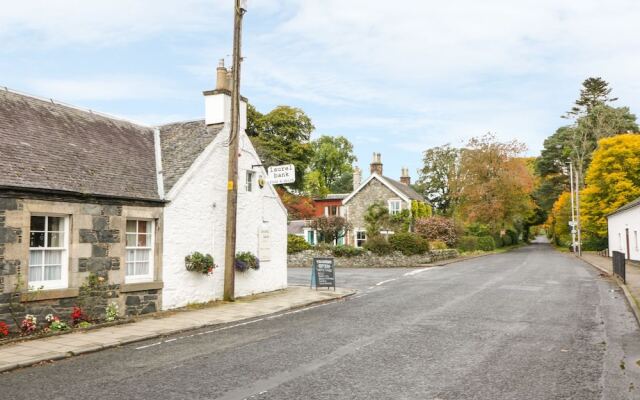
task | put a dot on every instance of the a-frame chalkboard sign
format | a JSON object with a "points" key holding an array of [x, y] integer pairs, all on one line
{"points": [[323, 273]]}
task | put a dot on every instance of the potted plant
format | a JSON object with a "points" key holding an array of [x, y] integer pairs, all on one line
{"points": [[199, 262], [245, 261]]}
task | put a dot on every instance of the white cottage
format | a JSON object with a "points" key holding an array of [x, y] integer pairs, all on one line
{"points": [[194, 158], [623, 226]]}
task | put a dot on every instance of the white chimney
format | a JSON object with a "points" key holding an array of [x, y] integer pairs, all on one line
{"points": [[217, 103], [357, 177]]}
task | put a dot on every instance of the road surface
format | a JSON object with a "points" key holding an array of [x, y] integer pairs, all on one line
{"points": [[529, 324]]}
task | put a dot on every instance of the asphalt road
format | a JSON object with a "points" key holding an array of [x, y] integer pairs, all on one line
{"points": [[529, 324]]}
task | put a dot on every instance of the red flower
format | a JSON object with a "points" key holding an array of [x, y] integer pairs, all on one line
{"points": [[4, 329], [78, 315]]}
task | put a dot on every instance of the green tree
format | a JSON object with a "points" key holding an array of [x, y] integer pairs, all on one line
{"points": [[314, 185], [283, 137], [376, 219], [439, 179], [594, 92], [332, 157]]}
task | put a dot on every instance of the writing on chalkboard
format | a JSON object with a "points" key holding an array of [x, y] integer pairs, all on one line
{"points": [[323, 273]]}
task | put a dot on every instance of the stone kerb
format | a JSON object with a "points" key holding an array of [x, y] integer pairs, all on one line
{"points": [[370, 260]]}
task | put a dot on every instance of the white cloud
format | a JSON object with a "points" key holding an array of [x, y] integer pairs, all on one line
{"points": [[104, 88], [64, 22]]}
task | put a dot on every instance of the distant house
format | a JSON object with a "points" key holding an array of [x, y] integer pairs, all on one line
{"points": [[395, 195], [330, 205], [82, 193], [623, 226]]}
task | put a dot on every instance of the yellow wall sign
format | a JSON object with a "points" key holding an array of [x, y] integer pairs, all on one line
{"points": [[230, 185]]}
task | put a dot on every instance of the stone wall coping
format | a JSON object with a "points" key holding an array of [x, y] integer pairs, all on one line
{"points": [[138, 287], [49, 294]]}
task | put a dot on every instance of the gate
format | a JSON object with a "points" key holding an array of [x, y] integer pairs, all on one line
{"points": [[619, 269]]}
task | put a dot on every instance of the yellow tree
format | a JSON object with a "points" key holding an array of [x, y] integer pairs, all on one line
{"points": [[613, 180], [557, 224]]}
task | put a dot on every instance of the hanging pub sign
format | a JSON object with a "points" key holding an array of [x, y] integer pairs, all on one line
{"points": [[279, 174], [323, 273]]}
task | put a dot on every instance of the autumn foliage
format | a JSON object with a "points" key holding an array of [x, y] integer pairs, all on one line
{"points": [[298, 207], [613, 180]]}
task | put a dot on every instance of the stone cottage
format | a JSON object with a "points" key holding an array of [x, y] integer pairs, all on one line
{"points": [[396, 195], [95, 209], [78, 198]]}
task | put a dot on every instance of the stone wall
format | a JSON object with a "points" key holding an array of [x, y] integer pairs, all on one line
{"points": [[370, 260], [95, 257]]}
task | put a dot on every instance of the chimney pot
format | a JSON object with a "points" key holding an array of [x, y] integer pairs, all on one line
{"points": [[376, 164], [221, 75], [404, 177]]}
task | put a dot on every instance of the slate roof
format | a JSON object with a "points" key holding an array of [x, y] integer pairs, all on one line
{"points": [[404, 189], [181, 143], [627, 206], [46, 145]]}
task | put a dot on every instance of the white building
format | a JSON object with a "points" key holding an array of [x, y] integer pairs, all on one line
{"points": [[194, 158], [623, 226]]}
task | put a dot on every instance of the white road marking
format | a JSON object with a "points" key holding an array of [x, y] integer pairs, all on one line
{"points": [[387, 281], [147, 346], [417, 271]]}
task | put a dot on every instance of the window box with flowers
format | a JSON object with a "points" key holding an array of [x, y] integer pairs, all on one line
{"points": [[198, 262], [245, 261]]}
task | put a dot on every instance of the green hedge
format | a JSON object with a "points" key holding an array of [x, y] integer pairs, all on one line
{"points": [[408, 244], [437, 245], [378, 246], [346, 251], [468, 243], [296, 244], [486, 243]]}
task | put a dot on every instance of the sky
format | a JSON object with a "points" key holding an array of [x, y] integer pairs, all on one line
{"points": [[394, 77]]}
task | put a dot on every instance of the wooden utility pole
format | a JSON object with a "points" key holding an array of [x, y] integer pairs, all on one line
{"points": [[232, 181]]}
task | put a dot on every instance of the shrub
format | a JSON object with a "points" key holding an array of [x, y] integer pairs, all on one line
{"points": [[437, 228], [497, 239], [78, 315], [477, 229], [346, 251], [199, 262], [506, 240], [378, 246], [468, 243], [296, 244], [246, 260], [111, 312], [4, 329], [513, 235], [486, 243], [437, 245], [29, 324], [408, 243]]}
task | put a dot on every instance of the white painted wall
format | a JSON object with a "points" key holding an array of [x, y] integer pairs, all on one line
{"points": [[194, 220], [617, 225]]}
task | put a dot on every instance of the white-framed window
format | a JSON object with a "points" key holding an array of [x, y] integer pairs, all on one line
{"points": [[48, 252], [395, 206], [249, 181], [361, 237], [139, 248], [332, 211]]}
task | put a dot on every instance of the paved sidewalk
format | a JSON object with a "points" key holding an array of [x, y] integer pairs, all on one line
{"points": [[632, 286], [31, 352]]}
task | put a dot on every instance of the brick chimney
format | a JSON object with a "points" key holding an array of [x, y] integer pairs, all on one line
{"points": [[405, 178], [376, 164], [217, 102], [357, 177]]}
